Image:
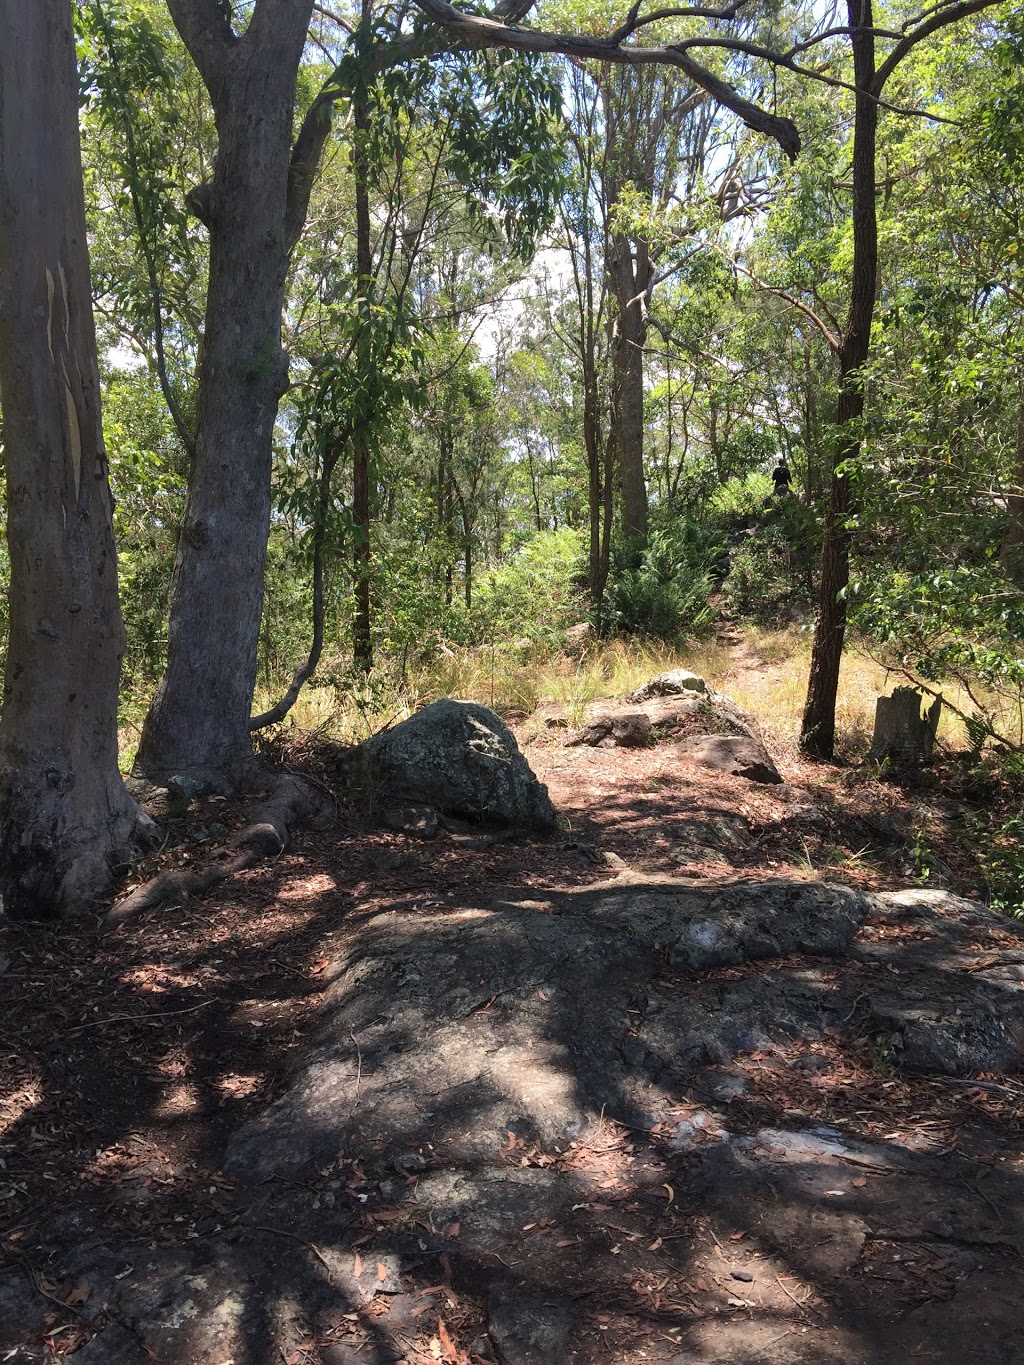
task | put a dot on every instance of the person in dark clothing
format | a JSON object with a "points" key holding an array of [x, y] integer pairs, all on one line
{"points": [[780, 479]]}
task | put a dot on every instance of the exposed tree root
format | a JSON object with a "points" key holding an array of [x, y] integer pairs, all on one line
{"points": [[292, 800]]}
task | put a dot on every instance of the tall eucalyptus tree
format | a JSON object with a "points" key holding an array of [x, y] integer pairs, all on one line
{"points": [[254, 208], [66, 821]]}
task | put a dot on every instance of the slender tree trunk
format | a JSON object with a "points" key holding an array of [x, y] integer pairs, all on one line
{"points": [[308, 667], [817, 736], [67, 825], [628, 388], [362, 626], [467, 543], [534, 487], [199, 719], [596, 572], [1011, 552]]}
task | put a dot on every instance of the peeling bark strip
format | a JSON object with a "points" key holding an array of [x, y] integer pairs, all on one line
{"points": [[265, 836], [66, 822], [65, 348]]}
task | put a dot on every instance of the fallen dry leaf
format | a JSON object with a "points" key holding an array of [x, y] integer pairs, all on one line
{"points": [[78, 1295]]}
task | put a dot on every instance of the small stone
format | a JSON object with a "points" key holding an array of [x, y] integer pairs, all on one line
{"points": [[735, 754], [671, 684], [578, 637], [619, 729], [186, 788], [743, 1275], [411, 1161], [420, 822], [218, 830]]}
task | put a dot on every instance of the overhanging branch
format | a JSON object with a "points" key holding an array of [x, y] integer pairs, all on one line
{"points": [[479, 32]]}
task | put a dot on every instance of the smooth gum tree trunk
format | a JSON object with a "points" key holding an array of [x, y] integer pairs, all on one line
{"points": [[67, 825], [198, 723], [629, 285]]}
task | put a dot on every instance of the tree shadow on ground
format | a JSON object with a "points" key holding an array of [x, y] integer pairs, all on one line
{"points": [[519, 1096]]}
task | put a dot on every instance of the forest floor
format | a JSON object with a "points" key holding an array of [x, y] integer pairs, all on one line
{"points": [[393, 1100]]}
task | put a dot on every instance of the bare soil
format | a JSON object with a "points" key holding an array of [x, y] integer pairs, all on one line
{"points": [[805, 1200]]}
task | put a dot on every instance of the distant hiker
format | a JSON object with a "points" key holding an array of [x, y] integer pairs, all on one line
{"points": [[780, 479]]}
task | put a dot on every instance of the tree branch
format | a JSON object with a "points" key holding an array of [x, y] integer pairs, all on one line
{"points": [[205, 29], [476, 31], [831, 337]]}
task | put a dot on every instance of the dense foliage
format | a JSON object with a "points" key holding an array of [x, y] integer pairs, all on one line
{"points": [[476, 359]]}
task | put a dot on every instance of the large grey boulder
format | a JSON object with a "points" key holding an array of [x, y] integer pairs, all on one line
{"points": [[459, 757]]}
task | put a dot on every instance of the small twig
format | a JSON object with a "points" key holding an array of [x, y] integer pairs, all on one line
{"points": [[280, 1232], [140, 1018], [789, 1295], [775, 1340], [847, 1017], [970, 1185], [1015, 1091], [359, 1068], [37, 1284]]}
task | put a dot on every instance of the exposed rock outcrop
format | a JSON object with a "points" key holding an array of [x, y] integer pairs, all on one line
{"points": [[458, 757]]}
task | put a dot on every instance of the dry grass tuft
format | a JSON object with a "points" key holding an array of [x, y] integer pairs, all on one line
{"points": [[766, 673]]}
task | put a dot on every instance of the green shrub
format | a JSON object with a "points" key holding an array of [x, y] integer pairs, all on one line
{"points": [[772, 570], [999, 847], [534, 594], [661, 591], [739, 502]]}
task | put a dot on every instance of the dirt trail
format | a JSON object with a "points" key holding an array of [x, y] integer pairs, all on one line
{"points": [[630, 1094]]}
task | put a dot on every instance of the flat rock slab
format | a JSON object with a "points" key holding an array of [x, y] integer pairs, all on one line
{"points": [[471, 1056], [955, 999], [454, 1025], [677, 682], [737, 755], [633, 723]]}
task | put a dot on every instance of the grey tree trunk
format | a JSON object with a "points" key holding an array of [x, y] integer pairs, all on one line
{"points": [[198, 723], [66, 822], [629, 285]]}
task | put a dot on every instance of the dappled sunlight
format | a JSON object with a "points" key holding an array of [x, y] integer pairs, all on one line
{"points": [[300, 888], [16, 1107]]}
